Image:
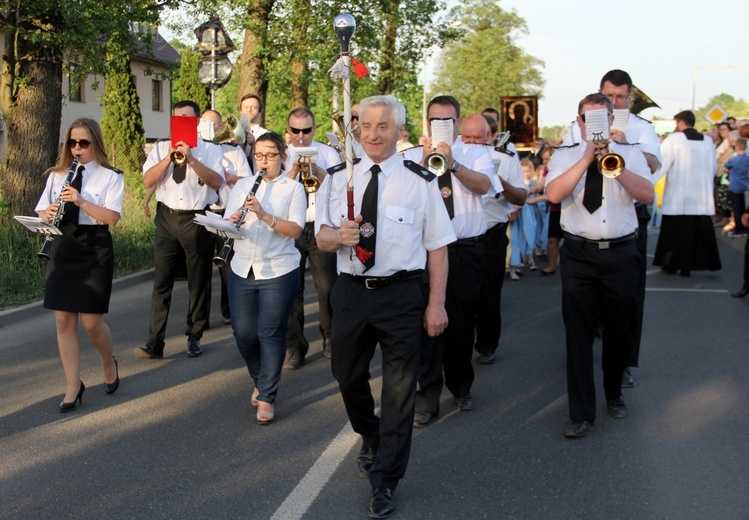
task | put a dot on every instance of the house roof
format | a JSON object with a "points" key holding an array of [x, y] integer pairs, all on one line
{"points": [[160, 52]]}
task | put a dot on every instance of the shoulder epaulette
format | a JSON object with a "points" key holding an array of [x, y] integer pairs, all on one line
{"points": [[161, 140], [638, 116], [116, 170], [228, 143], [419, 170], [502, 149], [410, 149], [341, 166], [561, 147]]}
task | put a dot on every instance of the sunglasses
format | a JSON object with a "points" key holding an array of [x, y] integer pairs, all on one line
{"points": [[582, 116], [354, 118], [304, 131], [83, 143], [270, 156]]}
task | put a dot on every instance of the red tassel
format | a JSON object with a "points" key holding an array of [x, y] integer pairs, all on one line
{"points": [[362, 254], [360, 69]]}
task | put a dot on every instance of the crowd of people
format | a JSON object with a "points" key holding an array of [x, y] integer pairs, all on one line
{"points": [[416, 266]]}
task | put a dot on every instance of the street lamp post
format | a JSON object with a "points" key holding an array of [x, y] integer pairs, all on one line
{"points": [[214, 43]]}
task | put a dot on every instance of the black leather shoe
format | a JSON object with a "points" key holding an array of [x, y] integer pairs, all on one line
{"points": [[69, 407], [578, 429], [151, 350], [295, 360], [627, 380], [740, 293], [616, 408], [424, 419], [486, 359], [465, 403], [111, 388], [381, 505], [366, 461], [193, 348], [326, 347]]}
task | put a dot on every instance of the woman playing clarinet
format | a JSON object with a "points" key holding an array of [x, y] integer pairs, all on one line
{"points": [[79, 273]]}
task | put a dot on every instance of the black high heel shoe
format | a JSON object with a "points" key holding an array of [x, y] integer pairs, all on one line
{"points": [[68, 407], [112, 388]]}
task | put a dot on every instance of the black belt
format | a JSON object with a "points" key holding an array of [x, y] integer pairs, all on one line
{"points": [[602, 244], [218, 211], [179, 211], [465, 242], [378, 282]]}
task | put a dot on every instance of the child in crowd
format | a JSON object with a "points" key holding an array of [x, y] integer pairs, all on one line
{"points": [[738, 168]]}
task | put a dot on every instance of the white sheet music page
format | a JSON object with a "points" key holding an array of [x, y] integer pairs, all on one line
{"points": [[596, 124], [621, 117], [442, 132]]}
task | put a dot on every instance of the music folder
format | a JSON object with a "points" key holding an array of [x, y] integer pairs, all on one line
{"points": [[37, 225], [217, 225]]}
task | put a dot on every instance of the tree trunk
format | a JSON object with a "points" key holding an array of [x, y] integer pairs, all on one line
{"points": [[300, 20], [386, 80], [253, 78], [33, 119]]}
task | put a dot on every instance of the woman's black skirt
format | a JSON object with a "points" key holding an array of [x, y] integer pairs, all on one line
{"points": [[687, 242], [80, 270]]}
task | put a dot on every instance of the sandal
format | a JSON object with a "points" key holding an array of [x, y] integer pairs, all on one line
{"points": [[253, 401], [265, 415]]}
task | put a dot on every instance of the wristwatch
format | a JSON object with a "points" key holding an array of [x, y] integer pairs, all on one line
{"points": [[455, 167]]}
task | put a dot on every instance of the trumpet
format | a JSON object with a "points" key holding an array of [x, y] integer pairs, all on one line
{"points": [[436, 163], [610, 165], [223, 257], [178, 158], [44, 252], [309, 181]]}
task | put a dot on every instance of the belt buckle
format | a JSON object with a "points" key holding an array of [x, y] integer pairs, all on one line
{"points": [[604, 244], [367, 284]]}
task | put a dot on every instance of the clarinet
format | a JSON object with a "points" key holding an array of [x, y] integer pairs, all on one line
{"points": [[223, 256], [46, 249]]}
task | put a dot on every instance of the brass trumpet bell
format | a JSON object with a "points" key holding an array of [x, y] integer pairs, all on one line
{"points": [[309, 181], [436, 163], [611, 165], [178, 158]]}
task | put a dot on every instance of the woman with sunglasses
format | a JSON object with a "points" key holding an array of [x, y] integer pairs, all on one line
{"points": [[79, 274], [264, 276]]}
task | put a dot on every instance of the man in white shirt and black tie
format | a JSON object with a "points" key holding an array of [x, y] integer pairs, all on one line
{"points": [[600, 259]]}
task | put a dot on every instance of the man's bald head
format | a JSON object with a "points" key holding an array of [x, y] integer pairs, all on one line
{"points": [[475, 130]]}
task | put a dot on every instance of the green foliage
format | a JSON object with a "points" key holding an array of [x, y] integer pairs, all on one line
{"points": [[737, 108], [484, 64], [553, 132], [188, 85], [122, 123]]}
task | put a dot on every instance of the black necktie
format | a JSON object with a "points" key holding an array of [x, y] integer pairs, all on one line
{"points": [[179, 171], [365, 251], [445, 182], [71, 210], [593, 196]]}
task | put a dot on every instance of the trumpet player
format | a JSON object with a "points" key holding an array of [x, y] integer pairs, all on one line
{"points": [[182, 191], [301, 127], [600, 259]]}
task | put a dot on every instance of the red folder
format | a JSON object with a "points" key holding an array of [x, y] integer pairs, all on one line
{"points": [[185, 128]]}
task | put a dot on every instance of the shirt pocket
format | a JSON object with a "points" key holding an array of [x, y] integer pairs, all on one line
{"points": [[398, 225]]}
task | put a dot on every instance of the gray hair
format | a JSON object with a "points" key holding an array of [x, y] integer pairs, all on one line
{"points": [[399, 111]]}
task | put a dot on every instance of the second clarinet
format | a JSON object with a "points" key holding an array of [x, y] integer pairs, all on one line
{"points": [[223, 256]]}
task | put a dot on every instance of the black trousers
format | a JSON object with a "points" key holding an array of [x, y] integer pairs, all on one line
{"points": [[746, 263], [392, 316], [489, 316], [175, 233], [643, 217], [453, 349], [597, 283], [324, 273]]}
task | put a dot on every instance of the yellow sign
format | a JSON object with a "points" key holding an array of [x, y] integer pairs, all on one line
{"points": [[716, 114]]}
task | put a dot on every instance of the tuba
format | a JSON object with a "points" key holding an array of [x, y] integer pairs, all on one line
{"points": [[639, 101], [232, 129]]}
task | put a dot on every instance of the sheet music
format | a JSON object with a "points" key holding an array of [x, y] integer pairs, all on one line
{"points": [[37, 225], [205, 129], [442, 132], [306, 151], [596, 124], [333, 139], [217, 225], [621, 118]]}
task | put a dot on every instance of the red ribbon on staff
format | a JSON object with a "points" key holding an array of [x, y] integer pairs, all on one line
{"points": [[360, 69]]}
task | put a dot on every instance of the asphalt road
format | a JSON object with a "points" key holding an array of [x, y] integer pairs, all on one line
{"points": [[179, 438]]}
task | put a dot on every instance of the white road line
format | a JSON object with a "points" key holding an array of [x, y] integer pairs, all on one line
{"points": [[301, 498], [656, 289]]}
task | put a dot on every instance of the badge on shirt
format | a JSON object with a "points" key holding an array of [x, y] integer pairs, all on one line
{"points": [[446, 192], [367, 230]]}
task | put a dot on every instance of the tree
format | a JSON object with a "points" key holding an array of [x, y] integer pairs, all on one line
{"points": [[738, 108], [190, 87], [43, 38], [484, 63], [122, 123]]}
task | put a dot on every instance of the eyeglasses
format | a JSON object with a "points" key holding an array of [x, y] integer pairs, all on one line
{"points": [[431, 119], [354, 118], [304, 131], [83, 143], [271, 156], [582, 116]]}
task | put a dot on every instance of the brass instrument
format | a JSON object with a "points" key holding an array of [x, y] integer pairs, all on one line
{"points": [[639, 101], [232, 129], [223, 257], [341, 146], [307, 177], [611, 165], [44, 252], [436, 163], [178, 158]]}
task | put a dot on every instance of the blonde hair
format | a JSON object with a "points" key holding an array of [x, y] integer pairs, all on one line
{"points": [[97, 142]]}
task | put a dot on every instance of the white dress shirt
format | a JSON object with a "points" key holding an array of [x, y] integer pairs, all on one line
{"points": [[234, 162], [411, 217], [689, 167], [269, 254], [496, 207], [101, 186], [616, 217], [188, 194]]}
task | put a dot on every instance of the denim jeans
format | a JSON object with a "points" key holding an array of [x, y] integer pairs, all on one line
{"points": [[259, 318]]}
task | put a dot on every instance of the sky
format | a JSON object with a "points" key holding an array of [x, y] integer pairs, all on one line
{"points": [[658, 42]]}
